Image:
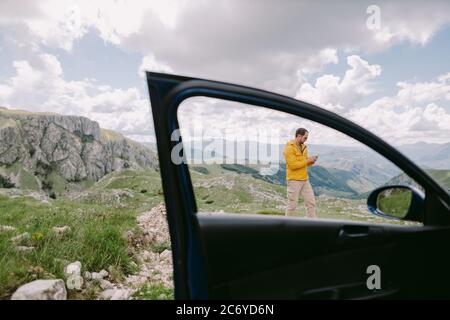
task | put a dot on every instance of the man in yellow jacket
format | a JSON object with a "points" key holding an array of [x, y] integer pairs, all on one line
{"points": [[297, 163]]}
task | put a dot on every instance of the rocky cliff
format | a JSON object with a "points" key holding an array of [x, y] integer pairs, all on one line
{"points": [[74, 147]]}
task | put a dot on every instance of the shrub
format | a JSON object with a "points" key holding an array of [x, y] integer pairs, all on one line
{"points": [[151, 291], [201, 170], [47, 185], [85, 138], [5, 182]]}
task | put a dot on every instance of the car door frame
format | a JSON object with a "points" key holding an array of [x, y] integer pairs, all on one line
{"points": [[168, 91]]}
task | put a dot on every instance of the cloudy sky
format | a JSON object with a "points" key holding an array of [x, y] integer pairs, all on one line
{"points": [[390, 75]]}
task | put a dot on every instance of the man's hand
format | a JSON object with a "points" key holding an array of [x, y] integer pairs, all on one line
{"points": [[310, 161]]}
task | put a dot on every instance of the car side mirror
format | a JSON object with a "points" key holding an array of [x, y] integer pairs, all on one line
{"points": [[397, 202]]}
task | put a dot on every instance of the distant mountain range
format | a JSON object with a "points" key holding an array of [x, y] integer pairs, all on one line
{"points": [[426, 155], [363, 167], [340, 170], [441, 176]]}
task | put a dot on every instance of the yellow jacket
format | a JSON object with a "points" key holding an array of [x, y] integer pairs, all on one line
{"points": [[296, 165]]}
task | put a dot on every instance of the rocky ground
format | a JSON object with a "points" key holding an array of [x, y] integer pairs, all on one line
{"points": [[151, 248], [149, 245]]}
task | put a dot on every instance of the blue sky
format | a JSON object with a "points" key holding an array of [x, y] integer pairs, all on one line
{"points": [[86, 58], [92, 57]]}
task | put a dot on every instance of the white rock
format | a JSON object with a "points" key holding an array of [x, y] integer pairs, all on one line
{"points": [[162, 296], [7, 228], [140, 259], [146, 255], [87, 275], [24, 249], [73, 269], [115, 294], [144, 273], [75, 282], [134, 279], [61, 230], [99, 275], [157, 276], [166, 255], [41, 290], [105, 284], [20, 237], [104, 273], [96, 276]]}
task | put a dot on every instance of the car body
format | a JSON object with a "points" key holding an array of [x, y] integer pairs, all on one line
{"points": [[251, 256]]}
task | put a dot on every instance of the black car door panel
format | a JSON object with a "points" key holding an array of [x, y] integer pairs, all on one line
{"points": [[267, 257]]}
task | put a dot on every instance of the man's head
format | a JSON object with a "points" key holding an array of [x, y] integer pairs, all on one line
{"points": [[301, 135]]}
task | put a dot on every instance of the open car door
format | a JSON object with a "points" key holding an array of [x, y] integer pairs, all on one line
{"points": [[273, 257]]}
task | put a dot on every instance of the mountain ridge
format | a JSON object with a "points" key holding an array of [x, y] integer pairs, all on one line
{"points": [[73, 147]]}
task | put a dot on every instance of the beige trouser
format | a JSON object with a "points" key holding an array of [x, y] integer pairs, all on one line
{"points": [[303, 187]]}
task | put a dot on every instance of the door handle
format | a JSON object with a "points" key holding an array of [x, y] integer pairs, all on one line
{"points": [[354, 232], [346, 235]]}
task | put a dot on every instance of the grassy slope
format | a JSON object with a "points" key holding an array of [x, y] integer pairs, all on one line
{"points": [[229, 191], [441, 176], [327, 181], [26, 180], [98, 219]]}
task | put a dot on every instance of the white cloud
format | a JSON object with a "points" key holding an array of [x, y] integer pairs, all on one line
{"points": [[338, 94], [53, 23], [59, 23], [149, 63], [218, 118], [32, 81], [67, 20], [411, 21], [416, 113], [265, 44], [262, 44], [315, 63], [64, 27], [425, 91]]}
